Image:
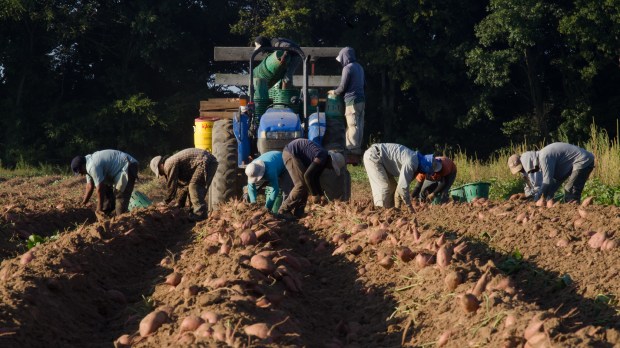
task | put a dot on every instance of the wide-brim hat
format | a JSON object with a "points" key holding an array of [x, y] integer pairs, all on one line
{"points": [[514, 163], [338, 161], [255, 171], [155, 165]]}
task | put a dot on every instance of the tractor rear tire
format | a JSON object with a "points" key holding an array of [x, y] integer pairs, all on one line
{"points": [[229, 180]]}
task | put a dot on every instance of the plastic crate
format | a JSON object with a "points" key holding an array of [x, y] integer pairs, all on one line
{"points": [[476, 190], [458, 194], [138, 200]]}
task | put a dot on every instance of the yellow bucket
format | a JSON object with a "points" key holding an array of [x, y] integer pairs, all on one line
{"points": [[203, 130]]}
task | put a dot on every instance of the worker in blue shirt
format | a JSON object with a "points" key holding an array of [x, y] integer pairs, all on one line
{"points": [[269, 166]]}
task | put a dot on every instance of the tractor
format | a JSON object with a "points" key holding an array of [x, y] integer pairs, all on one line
{"points": [[268, 118]]}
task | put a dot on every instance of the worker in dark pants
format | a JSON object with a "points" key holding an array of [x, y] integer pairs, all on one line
{"points": [[439, 183], [558, 162], [305, 161], [113, 173], [188, 172]]}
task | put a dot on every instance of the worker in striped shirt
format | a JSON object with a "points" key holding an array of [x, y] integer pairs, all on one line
{"points": [[187, 172]]}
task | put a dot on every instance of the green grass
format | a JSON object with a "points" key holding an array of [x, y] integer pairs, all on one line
{"points": [[23, 169]]}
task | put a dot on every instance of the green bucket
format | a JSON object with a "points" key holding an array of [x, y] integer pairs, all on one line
{"points": [[476, 190], [458, 194], [334, 106], [138, 200], [271, 69], [261, 88]]}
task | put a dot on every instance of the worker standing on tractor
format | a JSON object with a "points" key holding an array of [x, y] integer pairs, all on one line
{"points": [[189, 171], [113, 173], [295, 59], [437, 184], [270, 166], [352, 86], [305, 161], [385, 161], [558, 162]]}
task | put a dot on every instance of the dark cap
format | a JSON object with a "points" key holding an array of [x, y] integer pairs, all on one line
{"points": [[263, 41], [77, 163]]}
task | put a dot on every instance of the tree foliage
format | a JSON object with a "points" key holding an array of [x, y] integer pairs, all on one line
{"points": [[81, 76]]}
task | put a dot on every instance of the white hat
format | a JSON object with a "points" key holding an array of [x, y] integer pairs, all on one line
{"points": [[437, 165], [338, 161], [155, 165], [255, 171]]}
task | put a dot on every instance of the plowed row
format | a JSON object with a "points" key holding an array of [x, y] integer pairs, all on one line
{"points": [[480, 274]]}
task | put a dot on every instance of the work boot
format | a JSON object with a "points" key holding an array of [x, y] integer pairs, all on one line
{"points": [[196, 218]]}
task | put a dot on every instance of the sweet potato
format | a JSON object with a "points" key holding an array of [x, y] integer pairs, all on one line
{"points": [[248, 237], [263, 264], [152, 322], [260, 330], [469, 303], [597, 240], [586, 202], [444, 256], [481, 284], [190, 323], [26, 258], [173, 279], [377, 236], [452, 280], [405, 254], [386, 262], [609, 244]]}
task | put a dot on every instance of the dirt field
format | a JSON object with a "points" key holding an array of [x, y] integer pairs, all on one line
{"points": [[482, 274]]}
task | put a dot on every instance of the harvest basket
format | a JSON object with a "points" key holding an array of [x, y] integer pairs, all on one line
{"points": [[476, 190], [138, 200], [458, 194]]}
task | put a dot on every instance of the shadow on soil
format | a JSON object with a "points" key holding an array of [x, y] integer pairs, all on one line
{"points": [[335, 306], [95, 292]]}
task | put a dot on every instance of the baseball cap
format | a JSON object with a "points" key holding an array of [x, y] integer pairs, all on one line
{"points": [[338, 161], [155, 165], [514, 163], [255, 171], [77, 163]]}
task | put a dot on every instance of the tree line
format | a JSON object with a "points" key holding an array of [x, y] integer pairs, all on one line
{"points": [[78, 76]]}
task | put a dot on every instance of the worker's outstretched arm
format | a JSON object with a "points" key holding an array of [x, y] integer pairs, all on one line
{"points": [[88, 191], [311, 177]]}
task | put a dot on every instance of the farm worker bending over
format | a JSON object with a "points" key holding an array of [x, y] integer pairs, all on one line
{"points": [[305, 161], [270, 166], [533, 180], [295, 59], [383, 162], [113, 173], [559, 162], [352, 86], [187, 171], [439, 183]]}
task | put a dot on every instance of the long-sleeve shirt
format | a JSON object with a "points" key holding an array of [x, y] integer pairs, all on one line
{"points": [[402, 162], [556, 161], [105, 166], [274, 167], [307, 151], [179, 169], [352, 79]]}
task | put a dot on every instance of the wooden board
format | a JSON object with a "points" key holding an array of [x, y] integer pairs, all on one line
{"points": [[219, 104], [313, 81], [217, 114], [235, 54]]}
